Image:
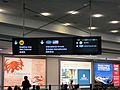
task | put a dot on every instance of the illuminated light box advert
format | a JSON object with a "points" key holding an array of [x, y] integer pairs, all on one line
{"points": [[107, 73], [16, 68], [79, 72]]}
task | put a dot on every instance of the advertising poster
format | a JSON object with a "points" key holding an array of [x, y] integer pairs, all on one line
{"points": [[16, 68], [83, 76], [79, 72], [116, 74], [103, 73]]}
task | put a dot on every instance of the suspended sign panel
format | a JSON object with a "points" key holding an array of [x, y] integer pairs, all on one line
{"points": [[87, 45], [57, 46]]}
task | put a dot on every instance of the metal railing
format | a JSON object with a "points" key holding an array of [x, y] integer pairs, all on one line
{"points": [[48, 87]]}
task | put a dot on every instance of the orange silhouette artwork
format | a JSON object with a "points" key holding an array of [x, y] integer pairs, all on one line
{"points": [[11, 66], [38, 79]]}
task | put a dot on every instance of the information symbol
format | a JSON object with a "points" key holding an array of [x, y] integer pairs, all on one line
{"points": [[21, 42], [15, 42]]}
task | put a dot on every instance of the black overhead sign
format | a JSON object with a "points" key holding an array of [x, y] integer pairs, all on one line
{"points": [[57, 46]]}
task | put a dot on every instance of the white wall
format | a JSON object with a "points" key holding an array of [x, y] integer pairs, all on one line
{"points": [[53, 72], [0, 71]]}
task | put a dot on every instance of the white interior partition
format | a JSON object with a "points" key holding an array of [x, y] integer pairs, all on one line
{"points": [[1, 72], [53, 72]]}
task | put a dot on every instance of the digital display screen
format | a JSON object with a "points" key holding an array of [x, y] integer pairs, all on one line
{"points": [[107, 73], [79, 72], [57, 46]]}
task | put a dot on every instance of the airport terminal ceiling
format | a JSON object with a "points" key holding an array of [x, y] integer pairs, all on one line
{"points": [[56, 18]]}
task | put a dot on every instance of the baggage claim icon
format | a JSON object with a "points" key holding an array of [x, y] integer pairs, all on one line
{"points": [[21, 42]]}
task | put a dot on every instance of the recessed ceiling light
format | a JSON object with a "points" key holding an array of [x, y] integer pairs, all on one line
{"points": [[92, 28], [114, 22], [97, 15], [46, 14], [114, 31], [67, 24], [73, 12], [1, 10]]}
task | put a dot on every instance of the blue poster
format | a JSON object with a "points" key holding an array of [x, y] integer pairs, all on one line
{"points": [[103, 72], [83, 76]]}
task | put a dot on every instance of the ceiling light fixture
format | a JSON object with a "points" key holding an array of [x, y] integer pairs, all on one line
{"points": [[67, 24], [114, 31], [114, 22], [97, 15], [46, 14], [1, 10], [92, 28], [73, 12]]}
